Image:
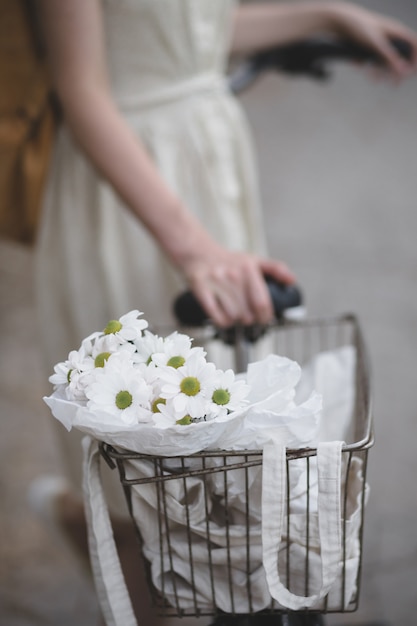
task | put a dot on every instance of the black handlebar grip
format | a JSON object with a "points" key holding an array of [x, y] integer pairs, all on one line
{"points": [[302, 56], [309, 57], [283, 296], [357, 52], [189, 312]]}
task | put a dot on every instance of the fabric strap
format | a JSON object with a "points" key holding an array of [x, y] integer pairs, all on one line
{"points": [[273, 513], [111, 588]]}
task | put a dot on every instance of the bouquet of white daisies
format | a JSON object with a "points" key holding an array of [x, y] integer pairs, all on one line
{"points": [[133, 388]]}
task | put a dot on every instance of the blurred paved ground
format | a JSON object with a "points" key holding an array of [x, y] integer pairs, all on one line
{"points": [[339, 177]]}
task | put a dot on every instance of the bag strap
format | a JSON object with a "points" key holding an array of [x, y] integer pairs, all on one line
{"points": [[111, 588], [273, 512]]}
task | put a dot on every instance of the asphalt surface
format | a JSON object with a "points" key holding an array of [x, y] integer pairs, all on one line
{"points": [[338, 167]]}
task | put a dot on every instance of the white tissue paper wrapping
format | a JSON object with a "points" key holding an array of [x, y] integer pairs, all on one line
{"points": [[271, 406]]}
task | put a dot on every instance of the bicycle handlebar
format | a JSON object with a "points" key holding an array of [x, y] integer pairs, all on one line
{"points": [[308, 58]]}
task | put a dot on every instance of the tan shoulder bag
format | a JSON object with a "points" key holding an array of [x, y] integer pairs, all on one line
{"points": [[27, 123]]}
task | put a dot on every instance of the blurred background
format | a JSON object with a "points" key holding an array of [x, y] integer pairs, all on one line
{"points": [[338, 163]]}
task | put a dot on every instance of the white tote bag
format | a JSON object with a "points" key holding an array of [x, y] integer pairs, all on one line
{"points": [[268, 539]]}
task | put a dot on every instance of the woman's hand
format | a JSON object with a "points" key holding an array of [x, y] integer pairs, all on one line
{"points": [[262, 25], [374, 31], [231, 287]]}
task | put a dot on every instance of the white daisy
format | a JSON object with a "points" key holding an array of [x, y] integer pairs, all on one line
{"points": [[119, 389], [71, 374], [128, 327], [106, 345], [147, 345], [92, 354], [150, 374], [176, 349], [226, 393], [187, 385], [165, 415]]}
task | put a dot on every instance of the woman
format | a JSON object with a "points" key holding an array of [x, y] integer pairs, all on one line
{"points": [[153, 185]]}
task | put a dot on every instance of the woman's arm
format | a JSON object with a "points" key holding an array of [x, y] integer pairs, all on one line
{"points": [[229, 285], [263, 25]]}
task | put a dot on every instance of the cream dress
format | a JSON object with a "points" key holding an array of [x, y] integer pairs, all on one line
{"points": [[95, 262]]}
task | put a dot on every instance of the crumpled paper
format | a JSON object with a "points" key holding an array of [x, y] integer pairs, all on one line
{"points": [[271, 408]]}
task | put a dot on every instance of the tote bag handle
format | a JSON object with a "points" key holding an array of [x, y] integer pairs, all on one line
{"points": [[111, 588], [273, 512]]}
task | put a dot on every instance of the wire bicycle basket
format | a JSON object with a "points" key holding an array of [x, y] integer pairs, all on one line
{"points": [[203, 552]]}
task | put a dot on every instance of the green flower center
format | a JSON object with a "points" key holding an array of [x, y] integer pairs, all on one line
{"points": [[184, 421], [176, 361], [190, 385], [123, 400], [155, 408], [112, 327], [101, 358], [221, 396], [69, 376]]}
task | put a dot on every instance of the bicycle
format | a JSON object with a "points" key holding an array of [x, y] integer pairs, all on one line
{"points": [[299, 339]]}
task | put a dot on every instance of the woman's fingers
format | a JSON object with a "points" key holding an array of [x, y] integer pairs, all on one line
{"points": [[223, 296], [396, 64], [277, 270], [377, 31], [211, 305], [233, 289]]}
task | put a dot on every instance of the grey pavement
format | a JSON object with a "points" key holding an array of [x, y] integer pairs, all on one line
{"points": [[338, 169]]}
